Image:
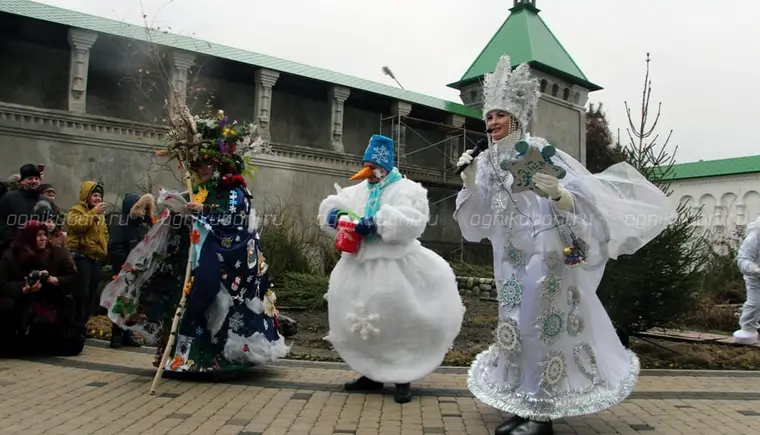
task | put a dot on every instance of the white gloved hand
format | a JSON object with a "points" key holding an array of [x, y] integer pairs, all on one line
{"points": [[468, 175], [753, 269], [549, 186]]}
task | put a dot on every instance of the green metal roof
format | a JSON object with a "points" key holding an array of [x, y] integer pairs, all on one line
{"points": [[72, 18], [526, 38], [715, 168]]}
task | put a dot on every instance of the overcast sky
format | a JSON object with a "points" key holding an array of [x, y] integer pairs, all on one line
{"points": [[703, 71]]}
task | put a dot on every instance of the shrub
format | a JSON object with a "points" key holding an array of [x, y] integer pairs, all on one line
{"points": [[293, 244], [302, 290]]}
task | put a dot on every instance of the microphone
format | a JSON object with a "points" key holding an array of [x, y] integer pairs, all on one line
{"points": [[479, 147]]}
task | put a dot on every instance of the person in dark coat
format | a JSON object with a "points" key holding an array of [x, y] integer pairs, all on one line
{"points": [[136, 218], [37, 311], [17, 206]]}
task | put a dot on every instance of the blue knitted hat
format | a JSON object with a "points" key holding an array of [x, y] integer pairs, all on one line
{"points": [[380, 152]]}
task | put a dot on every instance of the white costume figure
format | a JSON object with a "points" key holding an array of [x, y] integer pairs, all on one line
{"points": [[556, 352], [394, 306], [748, 258]]}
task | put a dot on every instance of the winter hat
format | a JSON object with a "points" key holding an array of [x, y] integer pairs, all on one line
{"points": [[45, 187], [380, 152], [29, 170]]}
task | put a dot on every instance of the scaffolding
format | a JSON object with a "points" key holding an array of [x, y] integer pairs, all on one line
{"points": [[456, 140]]}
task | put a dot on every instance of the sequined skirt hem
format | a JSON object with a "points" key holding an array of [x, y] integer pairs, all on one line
{"points": [[596, 398]]}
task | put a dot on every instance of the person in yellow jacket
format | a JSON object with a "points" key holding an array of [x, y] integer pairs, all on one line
{"points": [[87, 239]]}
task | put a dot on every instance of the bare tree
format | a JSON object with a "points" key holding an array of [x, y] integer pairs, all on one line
{"points": [[643, 152]]}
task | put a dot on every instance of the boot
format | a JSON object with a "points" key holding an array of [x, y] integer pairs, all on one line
{"points": [[508, 426], [128, 338], [403, 393], [363, 384], [117, 337], [530, 427]]}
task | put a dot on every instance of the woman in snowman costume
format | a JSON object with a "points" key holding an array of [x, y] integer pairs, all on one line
{"points": [[394, 306], [556, 353]]}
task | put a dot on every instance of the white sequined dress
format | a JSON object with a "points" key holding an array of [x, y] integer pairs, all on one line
{"points": [[556, 353]]}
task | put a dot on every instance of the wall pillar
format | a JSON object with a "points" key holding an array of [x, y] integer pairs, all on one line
{"points": [[337, 95], [81, 42], [262, 108], [454, 143], [400, 109], [181, 62]]}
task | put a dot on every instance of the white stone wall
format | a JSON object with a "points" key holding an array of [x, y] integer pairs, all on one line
{"points": [[726, 201]]}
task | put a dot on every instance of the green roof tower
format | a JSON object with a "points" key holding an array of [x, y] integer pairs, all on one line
{"points": [[526, 38]]}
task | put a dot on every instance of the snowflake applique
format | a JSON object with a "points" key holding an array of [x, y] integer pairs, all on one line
{"points": [[381, 156], [198, 331], [551, 287], [238, 264], [214, 340], [361, 322], [233, 209], [236, 321], [344, 236], [249, 278]]}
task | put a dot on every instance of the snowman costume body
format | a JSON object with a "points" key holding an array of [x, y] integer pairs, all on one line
{"points": [[747, 259], [394, 306]]}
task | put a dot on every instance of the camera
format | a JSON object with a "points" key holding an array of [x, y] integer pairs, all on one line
{"points": [[36, 275]]}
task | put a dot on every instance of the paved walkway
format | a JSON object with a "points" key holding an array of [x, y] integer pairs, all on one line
{"points": [[105, 391]]}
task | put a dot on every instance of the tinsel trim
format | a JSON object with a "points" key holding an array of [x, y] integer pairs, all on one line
{"points": [[595, 398]]}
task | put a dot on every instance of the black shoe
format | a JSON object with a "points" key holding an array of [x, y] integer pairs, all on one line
{"points": [[128, 339], [403, 393], [363, 384], [534, 428], [117, 340], [508, 426]]}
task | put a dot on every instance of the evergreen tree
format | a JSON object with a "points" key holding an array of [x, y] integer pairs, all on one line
{"points": [[659, 284]]}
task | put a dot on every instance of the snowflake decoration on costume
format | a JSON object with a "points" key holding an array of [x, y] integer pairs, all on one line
{"points": [[585, 359], [236, 322], [361, 322], [514, 256], [207, 226], [238, 264], [382, 156], [553, 370], [551, 259], [249, 278], [198, 331], [508, 336], [214, 340], [551, 325], [573, 296], [574, 323], [551, 286], [510, 293]]}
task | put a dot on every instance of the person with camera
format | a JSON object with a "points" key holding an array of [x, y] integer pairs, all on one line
{"points": [[87, 239], [35, 283]]}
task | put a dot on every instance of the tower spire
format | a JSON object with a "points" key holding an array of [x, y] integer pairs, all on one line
{"points": [[520, 4]]}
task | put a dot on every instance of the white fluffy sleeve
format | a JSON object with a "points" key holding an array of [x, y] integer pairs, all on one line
{"points": [[337, 201], [404, 215]]}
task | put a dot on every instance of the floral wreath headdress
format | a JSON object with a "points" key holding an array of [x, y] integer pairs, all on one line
{"points": [[230, 147]]}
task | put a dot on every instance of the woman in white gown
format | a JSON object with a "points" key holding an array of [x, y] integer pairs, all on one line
{"points": [[394, 306], [556, 353]]}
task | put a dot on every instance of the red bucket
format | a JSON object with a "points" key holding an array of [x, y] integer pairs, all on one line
{"points": [[347, 239]]}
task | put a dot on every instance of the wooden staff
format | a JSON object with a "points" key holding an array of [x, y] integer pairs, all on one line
{"points": [[180, 307]]}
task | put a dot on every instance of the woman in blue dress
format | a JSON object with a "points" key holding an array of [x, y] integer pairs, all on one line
{"points": [[230, 320]]}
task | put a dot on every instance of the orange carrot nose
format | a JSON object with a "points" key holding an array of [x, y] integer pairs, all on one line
{"points": [[365, 173]]}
